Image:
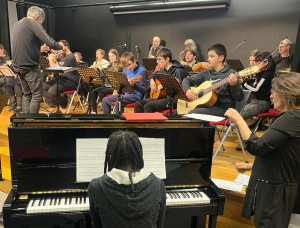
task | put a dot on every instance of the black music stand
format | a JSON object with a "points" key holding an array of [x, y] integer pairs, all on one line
{"points": [[56, 70], [89, 75], [82, 64], [150, 63], [235, 64], [120, 83], [173, 88], [6, 71]]}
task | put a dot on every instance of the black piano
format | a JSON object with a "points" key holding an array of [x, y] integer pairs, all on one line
{"points": [[45, 192]]}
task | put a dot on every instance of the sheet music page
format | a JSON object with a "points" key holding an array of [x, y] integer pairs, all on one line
{"points": [[154, 156], [205, 117], [227, 185], [242, 179], [90, 156]]}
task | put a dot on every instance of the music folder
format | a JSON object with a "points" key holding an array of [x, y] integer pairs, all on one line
{"points": [[235, 64], [144, 116]]}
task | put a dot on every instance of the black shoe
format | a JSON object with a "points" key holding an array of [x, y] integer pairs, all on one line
{"points": [[65, 104]]}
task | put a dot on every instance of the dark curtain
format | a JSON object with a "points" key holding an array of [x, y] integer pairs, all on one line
{"points": [[4, 26], [48, 23]]}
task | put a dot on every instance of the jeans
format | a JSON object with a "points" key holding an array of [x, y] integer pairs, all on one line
{"points": [[32, 87], [254, 108], [108, 101], [4, 81], [101, 93]]}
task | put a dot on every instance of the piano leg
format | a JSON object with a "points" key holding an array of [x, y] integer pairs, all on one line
{"points": [[212, 221]]}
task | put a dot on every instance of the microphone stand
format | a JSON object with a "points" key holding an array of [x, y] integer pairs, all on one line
{"points": [[139, 55], [122, 50]]}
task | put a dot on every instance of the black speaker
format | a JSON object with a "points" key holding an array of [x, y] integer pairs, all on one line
{"points": [[296, 57]]}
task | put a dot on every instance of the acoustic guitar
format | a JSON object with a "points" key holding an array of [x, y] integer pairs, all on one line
{"points": [[207, 94], [160, 92]]}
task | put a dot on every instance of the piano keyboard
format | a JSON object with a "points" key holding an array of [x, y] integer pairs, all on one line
{"points": [[186, 198], [58, 204]]}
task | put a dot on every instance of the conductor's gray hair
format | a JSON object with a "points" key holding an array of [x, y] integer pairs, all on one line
{"points": [[36, 13]]}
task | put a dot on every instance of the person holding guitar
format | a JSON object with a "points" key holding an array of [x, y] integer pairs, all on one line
{"points": [[228, 93], [168, 66], [137, 77]]}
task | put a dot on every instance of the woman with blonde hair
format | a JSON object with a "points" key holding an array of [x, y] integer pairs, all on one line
{"points": [[272, 187]]}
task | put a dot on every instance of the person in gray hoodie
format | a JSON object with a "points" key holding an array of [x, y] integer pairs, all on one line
{"points": [[126, 196], [227, 94]]}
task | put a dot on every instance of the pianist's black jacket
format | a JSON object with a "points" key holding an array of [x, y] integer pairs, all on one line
{"points": [[113, 203]]}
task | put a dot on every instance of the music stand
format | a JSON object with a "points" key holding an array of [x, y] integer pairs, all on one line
{"points": [[82, 64], [89, 75], [235, 64], [149, 63], [6, 71], [56, 70], [173, 88], [120, 83]]}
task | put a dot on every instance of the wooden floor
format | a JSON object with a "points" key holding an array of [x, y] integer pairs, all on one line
{"points": [[222, 168]]}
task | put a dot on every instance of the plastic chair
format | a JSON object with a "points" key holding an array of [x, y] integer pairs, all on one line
{"points": [[269, 115], [230, 126]]}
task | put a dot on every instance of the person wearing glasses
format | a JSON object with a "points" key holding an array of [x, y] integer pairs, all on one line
{"points": [[272, 188], [283, 60], [137, 78], [260, 88], [167, 66]]}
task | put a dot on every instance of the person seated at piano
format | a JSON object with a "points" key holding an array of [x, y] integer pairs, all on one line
{"points": [[100, 62], [126, 195], [167, 66], [228, 93], [99, 93], [284, 59], [272, 188], [137, 78], [155, 47], [67, 81]]}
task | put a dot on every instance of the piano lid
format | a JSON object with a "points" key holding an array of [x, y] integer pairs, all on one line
{"points": [[34, 147]]}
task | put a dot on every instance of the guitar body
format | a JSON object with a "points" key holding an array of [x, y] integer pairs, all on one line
{"points": [[159, 93], [208, 100]]}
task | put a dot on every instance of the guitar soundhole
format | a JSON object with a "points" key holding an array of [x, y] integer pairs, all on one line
{"points": [[200, 94]]}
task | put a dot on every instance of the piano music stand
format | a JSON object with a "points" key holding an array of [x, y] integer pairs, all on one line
{"points": [[6, 71], [173, 88], [120, 83], [88, 75], [56, 70]]}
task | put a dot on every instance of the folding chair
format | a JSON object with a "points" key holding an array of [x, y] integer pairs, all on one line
{"points": [[269, 115], [230, 126], [74, 93]]}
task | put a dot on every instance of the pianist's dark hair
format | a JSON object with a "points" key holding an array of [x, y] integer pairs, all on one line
{"points": [[124, 147]]}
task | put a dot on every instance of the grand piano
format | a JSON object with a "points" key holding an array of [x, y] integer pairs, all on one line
{"points": [[45, 191]]}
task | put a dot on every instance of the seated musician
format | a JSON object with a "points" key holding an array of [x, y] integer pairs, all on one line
{"points": [[67, 81], [126, 195], [252, 56], [14, 89], [188, 44], [192, 64], [167, 66], [228, 94], [260, 90], [283, 60], [3, 62], [100, 62], [137, 77], [99, 93], [155, 47], [80, 62]]}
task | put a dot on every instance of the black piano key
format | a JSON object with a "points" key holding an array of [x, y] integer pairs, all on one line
{"points": [[76, 200], [59, 200], [84, 199], [51, 201], [66, 200], [33, 201], [182, 194], [173, 195], [40, 202], [70, 200], [186, 195], [193, 194], [55, 201], [170, 195], [178, 195], [44, 203], [80, 199]]}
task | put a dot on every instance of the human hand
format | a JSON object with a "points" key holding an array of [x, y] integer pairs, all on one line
{"points": [[233, 115], [191, 94], [242, 167], [44, 48], [232, 79], [183, 63], [153, 85]]}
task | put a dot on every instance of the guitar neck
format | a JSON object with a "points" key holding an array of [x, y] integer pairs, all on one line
{"points": [[215, 86]]}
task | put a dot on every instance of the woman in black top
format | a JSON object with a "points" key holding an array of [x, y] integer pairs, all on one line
{"points": [[272, 187]]}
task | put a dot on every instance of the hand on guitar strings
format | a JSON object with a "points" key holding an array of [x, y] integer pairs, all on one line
{"points": [[153, 85], [232, 79], [191, 95]]}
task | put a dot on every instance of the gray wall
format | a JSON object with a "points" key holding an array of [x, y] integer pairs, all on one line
{"points": [[263, 24]]}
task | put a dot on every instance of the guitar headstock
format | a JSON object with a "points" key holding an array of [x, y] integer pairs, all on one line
{"points": [[9, 62], [253, 70]]}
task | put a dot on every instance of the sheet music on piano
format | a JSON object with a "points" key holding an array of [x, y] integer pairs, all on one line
{"points": [[90, 156]]}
